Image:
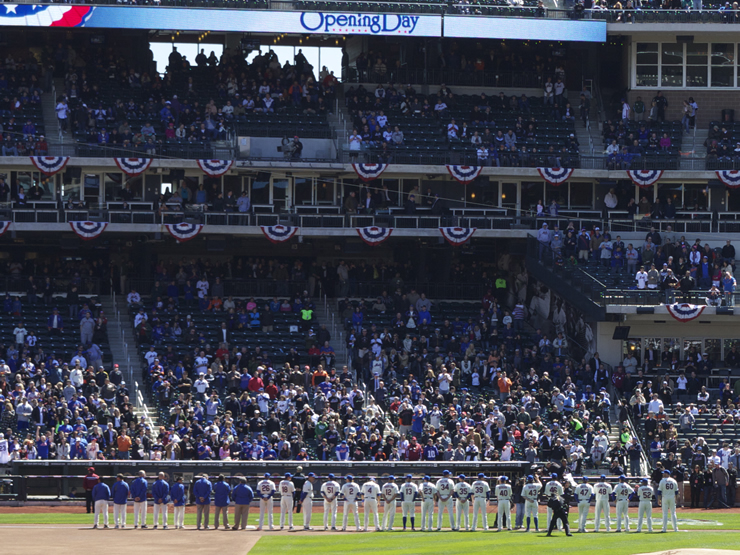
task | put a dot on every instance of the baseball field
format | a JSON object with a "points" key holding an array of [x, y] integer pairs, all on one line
{"points": [[68, 530]]}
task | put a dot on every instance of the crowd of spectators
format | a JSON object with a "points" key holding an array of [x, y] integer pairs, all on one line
{"points": [[21, 86]]}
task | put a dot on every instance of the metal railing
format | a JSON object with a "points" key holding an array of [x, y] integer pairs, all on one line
{"points": [[18, 284]]}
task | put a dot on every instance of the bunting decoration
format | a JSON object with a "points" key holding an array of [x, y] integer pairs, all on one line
{"points": [[215, 168], [684, 312], [88, 230], [645, 178], [373, 235], [4, 227], [184, 232], [457, 236], [368, 172], [464, 174], [133, 166], [278, 233], [555, 176], [49, 165], [731, 178]]}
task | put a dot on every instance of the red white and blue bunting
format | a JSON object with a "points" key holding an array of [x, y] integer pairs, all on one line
{"points": [[4, 227], [373, 235], [555, 176], [457, 236], [278, 233], [684, 312], [88, 230], [464, 174], [368, 172], [184, 232], [133, 166], [645, 178], [215, 168], [731, 178], [49, 165]]}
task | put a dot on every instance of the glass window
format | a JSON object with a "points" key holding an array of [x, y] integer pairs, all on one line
{"points": [[581, 195], [70, 188], [647, 64], [696, 76], [279, 190], [486, 194], [260, 190], [25, 180], [508, 195], [325, 191], [723, 62], [728, 346], [633, 346], [695, 196], [696, 53], [233, 183], [557, 192], [302, 190], [654, 343], [713, 349], [671, 348], [672, 76], [691, 347], [113, 186], [532, 193], [672, 54], [47, 187], [647, 76]]}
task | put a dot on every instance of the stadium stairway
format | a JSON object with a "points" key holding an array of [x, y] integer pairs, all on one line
{"points": [[326, 314], [51, 123]]}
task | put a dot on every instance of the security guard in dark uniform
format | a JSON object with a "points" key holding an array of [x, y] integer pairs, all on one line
{"points": [[298, 480], [560, 508]]}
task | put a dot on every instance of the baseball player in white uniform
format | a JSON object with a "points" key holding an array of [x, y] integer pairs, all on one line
{"points": [[428, 492], [286, 489], [603, 492], [556, 488], [409, 490], [266, 489], [481, 495], [530, 493], [350, 491], [462, 494], [307, 500], [503, 494], [645, 494], [622, 492], [667, 491], [445, 490], [390, 494], [584, 493], [370, 493], [330, 492]]}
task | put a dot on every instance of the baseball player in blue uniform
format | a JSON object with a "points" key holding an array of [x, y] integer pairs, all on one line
{"points": [[221, 495], [202, 491], [177, 494], [101, 496], [120, 498], [138, 491], [160, 494], [242, 495]]}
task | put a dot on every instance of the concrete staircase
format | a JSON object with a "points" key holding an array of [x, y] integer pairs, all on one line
{"points": [[124, 353], [327, 314], [60, 144]]}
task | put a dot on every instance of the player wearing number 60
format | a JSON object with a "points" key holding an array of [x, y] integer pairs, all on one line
{"points": [[667, 492]]}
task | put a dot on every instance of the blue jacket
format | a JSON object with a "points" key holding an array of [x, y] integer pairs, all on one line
{"points": [[160, 491], [242, 494], [101, 492], [120, 493], [202, 488], [177, 493], [221, 492], [138, 488]]}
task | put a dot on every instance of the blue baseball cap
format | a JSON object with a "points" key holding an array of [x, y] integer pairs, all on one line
{"points": [[554, 476], [644, 480], [349, 477], [267, 474], [603, 476], [481, 475], [446, 472], [666, 472], [622, 478], [391, 477], [530, 478], [427, 477], [330, 476], [409, 476], [461, 476], [288, 475], [504, 478], [585, 479], [311, 475]]}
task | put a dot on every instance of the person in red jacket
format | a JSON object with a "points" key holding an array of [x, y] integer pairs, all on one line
{"points": [[88, 483], [256, 383], [414, 451]]}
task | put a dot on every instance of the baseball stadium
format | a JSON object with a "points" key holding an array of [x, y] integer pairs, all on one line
{"points": [[316, 276]]}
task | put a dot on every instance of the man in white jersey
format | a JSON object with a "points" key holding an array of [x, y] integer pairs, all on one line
{"points": [[622, 493], [389, 491], [645, 509], [409, 490], [330, 492], [265, 490], [530, 493], [428, 493], [307, 500], [481, 495], [370, 493], [584, 493], [553, 487], [445, 491], [350, 491], [503, 494], [603, 491], [286, 489], [463, 492], [667, 491]]}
